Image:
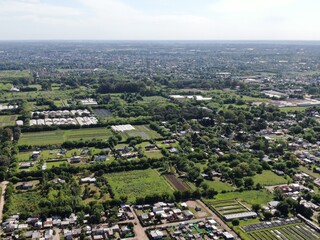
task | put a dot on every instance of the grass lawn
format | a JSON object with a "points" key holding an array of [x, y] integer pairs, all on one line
{"points": [[218, 185], [154, 154], [251, 197], [60, 136], [8, 120], [269, 178], [141, 131], [137, 183]]}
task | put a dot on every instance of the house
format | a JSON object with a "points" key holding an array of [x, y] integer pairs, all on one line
{"points": [[279, 173], [228, 236], [156, 234], [150, 147], [101, 158], [88, 180], [75, 159], [48, 223], [188, 214], [14, 89], [26, 165], [48, 235], [25, 186], [35, 154]]}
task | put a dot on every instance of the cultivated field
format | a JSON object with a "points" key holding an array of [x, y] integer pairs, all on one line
{"points": [[137, 183], [225, 207], [60, 136], [176, 183], [102, 112], [292, 229], [8, 120]]}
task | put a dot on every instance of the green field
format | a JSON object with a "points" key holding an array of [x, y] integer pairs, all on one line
{"points": [[141, 131], [251, 197], [137, 183], [218, 185], [292, 109], [60, 136], [14, 74], [8, 120], [26, 202], [269, 178]]}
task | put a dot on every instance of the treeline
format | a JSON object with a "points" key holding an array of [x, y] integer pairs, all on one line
{"points": [[121, 86]]}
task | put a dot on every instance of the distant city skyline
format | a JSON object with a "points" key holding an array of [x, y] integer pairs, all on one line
{"points": [[159, 20]]}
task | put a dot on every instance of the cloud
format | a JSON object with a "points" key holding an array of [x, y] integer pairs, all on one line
{"points": [[116, 19], [35, 8]]}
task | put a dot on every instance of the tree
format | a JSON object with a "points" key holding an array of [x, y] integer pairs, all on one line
{"points": [[267, 215], [283, 208], [278, 194], [256, 207], [248, 183], [235, 222]]}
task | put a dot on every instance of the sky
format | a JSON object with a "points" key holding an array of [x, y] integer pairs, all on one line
{"points": [[159, 20]]}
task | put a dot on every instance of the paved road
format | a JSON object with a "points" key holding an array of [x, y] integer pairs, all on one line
{"points": [[3, 186]]}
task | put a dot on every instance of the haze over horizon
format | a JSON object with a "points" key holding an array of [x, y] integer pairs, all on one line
{"points": [[159, 20]]}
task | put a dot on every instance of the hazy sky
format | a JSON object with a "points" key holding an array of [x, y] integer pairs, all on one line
{"points": [[160, 19]]}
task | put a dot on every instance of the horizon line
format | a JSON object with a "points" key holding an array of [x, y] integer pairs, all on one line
{"points": [[162, 40]]}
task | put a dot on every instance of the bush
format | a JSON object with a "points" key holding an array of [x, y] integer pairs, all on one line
{"points": [[235, 222]]}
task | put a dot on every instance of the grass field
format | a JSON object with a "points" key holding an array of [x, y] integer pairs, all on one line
{"points": [[141, 131], [218, 185], [60, 136], [17, 203], [14, 74], [269, 178], [137, 183], [251, 197], [8, 120], [292, 109]]}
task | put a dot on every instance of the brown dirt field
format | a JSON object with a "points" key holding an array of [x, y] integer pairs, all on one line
{"points": [[177, 183]]}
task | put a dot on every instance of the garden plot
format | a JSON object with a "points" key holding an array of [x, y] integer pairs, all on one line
{"points": [[232, 209], [287, 231], [102, 112]]}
